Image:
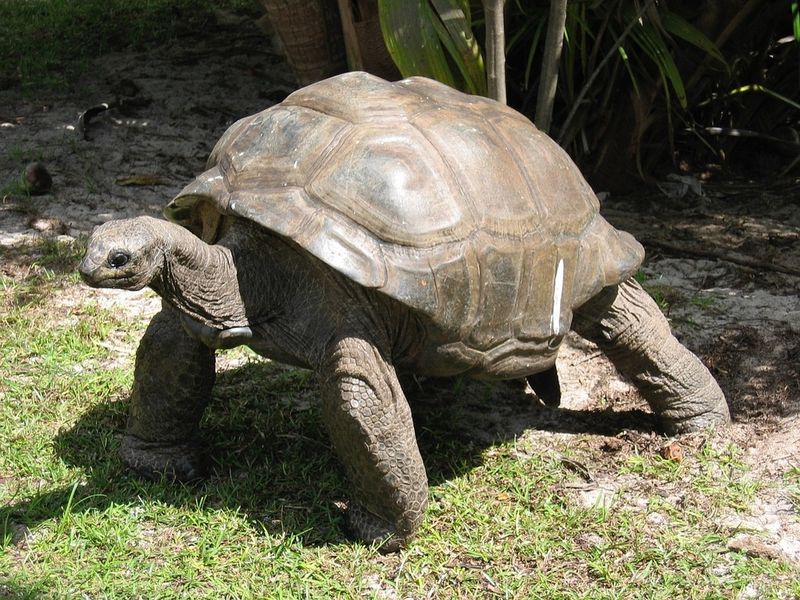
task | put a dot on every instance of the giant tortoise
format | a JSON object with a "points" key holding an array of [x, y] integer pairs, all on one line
{"points": [[366, 229]]}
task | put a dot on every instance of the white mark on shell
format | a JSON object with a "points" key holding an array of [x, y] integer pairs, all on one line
{"points": [[558, 287]]}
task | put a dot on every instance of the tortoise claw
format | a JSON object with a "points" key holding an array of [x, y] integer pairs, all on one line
{"points": [[371, 529], [154, 461]]}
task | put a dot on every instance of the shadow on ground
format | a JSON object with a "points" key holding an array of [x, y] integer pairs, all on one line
{"points": [[270, 458], [759, 371]]}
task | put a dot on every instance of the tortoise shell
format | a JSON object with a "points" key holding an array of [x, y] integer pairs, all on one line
{"points": [[455, 205]]}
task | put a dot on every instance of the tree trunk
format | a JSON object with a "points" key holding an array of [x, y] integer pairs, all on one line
{"points": [[495, 49], [552, 55]]}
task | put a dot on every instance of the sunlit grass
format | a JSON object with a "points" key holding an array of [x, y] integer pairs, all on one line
{"points": [[267, 522]]}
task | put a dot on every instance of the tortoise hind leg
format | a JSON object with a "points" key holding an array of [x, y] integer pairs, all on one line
{"points": [[630, 328], [172, 385]]}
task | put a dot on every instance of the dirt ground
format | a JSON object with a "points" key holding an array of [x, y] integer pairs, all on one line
{"points": [[726, 263]]}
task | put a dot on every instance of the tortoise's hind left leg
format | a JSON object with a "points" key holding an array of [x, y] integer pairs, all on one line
{"points": [[629, 327], [546, 386]]}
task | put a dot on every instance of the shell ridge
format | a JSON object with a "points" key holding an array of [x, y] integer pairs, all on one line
{"points": [[534, 193], [309, 107]]}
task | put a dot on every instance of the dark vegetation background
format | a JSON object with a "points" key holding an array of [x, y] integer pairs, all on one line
{"points": [[645, 88]]}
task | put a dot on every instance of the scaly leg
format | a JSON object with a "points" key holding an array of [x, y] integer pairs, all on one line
{"points": [[629, 327], [172, 385], [370, 424]]}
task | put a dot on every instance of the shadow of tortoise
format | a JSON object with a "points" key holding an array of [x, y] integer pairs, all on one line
{"points": [[270, 458]]}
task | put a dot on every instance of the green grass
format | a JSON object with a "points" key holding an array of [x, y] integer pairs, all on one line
{"points": [[503, 520], [46, 42]]}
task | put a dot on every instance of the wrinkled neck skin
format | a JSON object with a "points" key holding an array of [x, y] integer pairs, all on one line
{"points": [[200, 280], [292, 304]]}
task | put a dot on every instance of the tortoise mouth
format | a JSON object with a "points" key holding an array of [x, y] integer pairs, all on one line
{"points": [[99, 276]]}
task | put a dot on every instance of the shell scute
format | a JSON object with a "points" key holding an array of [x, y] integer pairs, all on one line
{"points": [[275, 149], [388, 184], [359, 98]]}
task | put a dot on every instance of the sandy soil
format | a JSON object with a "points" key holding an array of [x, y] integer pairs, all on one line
{"points": [[727, 262]]}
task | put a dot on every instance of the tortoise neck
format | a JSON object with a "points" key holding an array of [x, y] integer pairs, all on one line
{"points": [[201, 280]]}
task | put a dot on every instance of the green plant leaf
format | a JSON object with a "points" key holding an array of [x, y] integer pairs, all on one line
{"points": [[796, 20], [653, 45], [631, 73], [412, 40], [430, 37], [678, 26], [455, 33], [534, 46], [764, 90]]}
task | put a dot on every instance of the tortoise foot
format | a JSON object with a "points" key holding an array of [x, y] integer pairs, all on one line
{"points": [[153, 460], [702, 422], [371, 529]]}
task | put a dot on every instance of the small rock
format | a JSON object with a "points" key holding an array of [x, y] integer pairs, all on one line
{"points": [[20, 535], [749, 591], [42, 224], [611, 444], [595, 497], [755, 547], [672, 451], [588, 541], [618, 386], [378, 588], [37, 178]]}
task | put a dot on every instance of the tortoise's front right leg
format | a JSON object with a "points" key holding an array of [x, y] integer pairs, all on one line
{"points": [[629, 327], [172, 385], [370, 425]]}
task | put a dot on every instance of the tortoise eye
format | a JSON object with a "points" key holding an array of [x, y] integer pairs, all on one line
{"points": [[118, 259]]}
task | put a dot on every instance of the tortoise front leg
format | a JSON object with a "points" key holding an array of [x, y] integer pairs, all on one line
{"points": [[172, 385], [370, 424], [628, 325]]}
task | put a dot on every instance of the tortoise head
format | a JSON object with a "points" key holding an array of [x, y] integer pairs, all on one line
{"points": [[126, 254]]}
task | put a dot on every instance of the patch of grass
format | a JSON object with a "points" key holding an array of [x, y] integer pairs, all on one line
{"points": [[16, 188], [22, 154], [503, 520], [717, 477], [45, 42], [703, 301], [723, 478], [38, 269], [793, 486], [667, 297]]}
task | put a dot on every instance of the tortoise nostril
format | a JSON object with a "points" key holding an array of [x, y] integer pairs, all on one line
{"points": [[118, 259]]}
